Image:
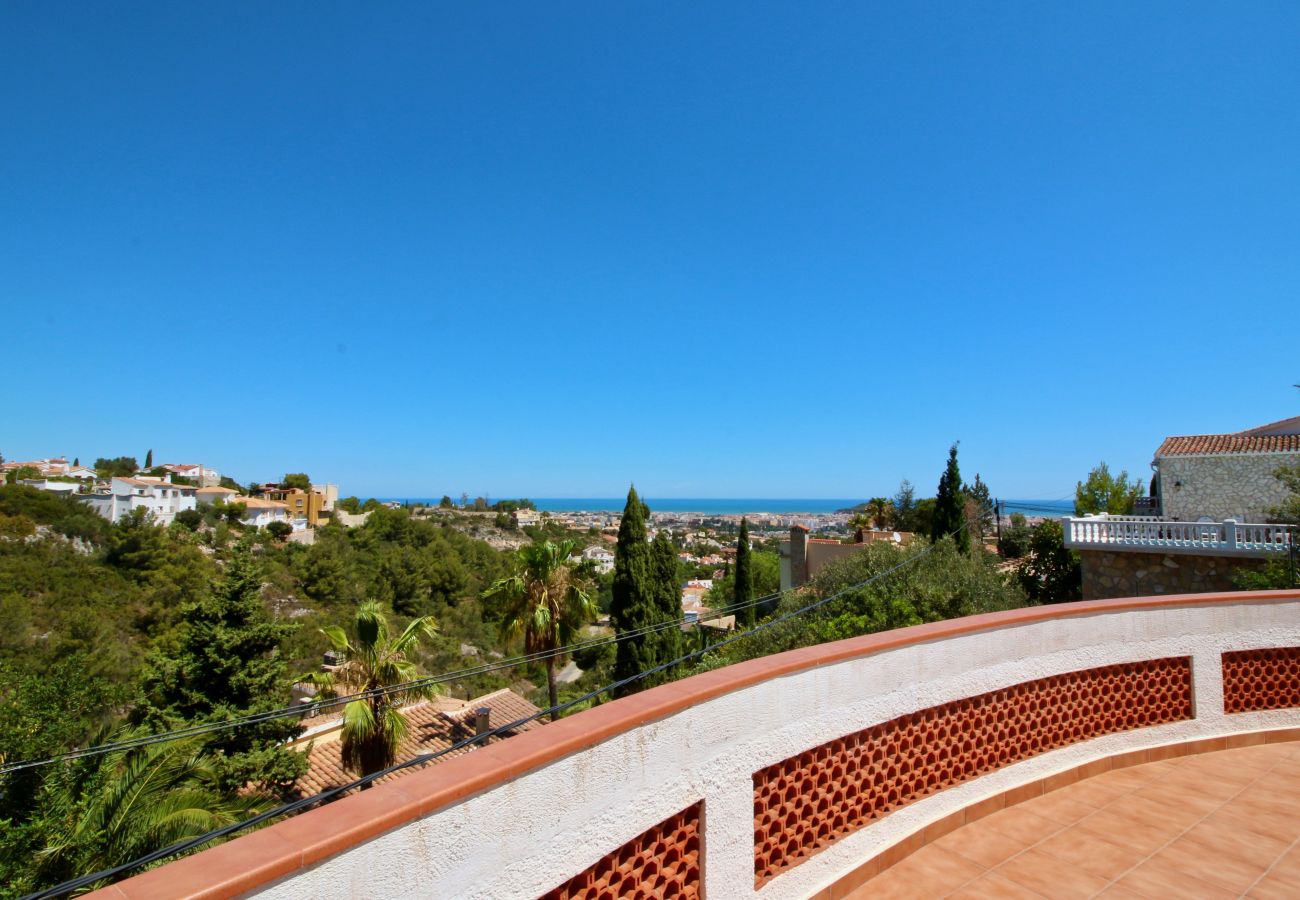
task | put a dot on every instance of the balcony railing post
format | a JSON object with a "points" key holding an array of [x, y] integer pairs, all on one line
{"points": [[1230, 533]]}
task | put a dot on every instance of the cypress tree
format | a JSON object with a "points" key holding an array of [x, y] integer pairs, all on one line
{"points": [[744, 589], [227, 664], [632, 606], [668, 601], [949, 506], [148, 459]]}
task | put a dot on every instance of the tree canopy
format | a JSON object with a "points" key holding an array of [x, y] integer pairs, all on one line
{"points": [[1103, 492], [950, 506], [633, 604]]}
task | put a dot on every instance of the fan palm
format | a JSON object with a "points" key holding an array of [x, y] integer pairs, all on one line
{"points": [[545, 602], [878, 511], [374, 725], [118, 807]]}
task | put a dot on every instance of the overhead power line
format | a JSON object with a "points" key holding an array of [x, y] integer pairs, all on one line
{"points": [[307, 710], [85, 881]]}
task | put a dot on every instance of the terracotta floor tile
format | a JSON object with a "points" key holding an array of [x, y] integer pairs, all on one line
{"points": [[1022, 825], [1175, 803], [1171, 820], [1226, 773], [1192, 805], [1059, 806], [1288, 865], [1198, 783], [1223, 824], [1128, 780], [984, 846], [1275, 887], [1087, 851], [992, 887], [1263, 850], [1050, 876], [933, 871], [1115, 892], [1160, 880], [890, 883], [1094, 793], [1275, 825], [1110, 825], [1266, 796], [1226, 870]]}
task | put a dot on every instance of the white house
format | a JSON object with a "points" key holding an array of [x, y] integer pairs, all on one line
{"points": [[263, 512], [162, 499], [199, 474], [54, 487], [217, 494], [526, 518], [601, 556], [51, 467]]}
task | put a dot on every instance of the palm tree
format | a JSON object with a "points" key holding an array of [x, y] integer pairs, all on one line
{"points": [[117, 807], [373, 725], [544, 601], [878, 510]]}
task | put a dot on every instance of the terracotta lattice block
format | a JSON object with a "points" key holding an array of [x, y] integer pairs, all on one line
{"points": [[1261, 679], [662, 862], [807, 802]]}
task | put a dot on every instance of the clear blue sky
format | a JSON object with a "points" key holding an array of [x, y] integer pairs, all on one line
{"points": [[723, 250]]}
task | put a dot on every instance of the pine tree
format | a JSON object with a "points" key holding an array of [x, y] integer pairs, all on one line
{"points": [[668, 602], [744, 591], [226, 664], [148, 459], [949, 506], [632, 606]]}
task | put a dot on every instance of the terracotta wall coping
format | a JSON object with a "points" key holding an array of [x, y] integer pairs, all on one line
{"points": [[253, 860]]}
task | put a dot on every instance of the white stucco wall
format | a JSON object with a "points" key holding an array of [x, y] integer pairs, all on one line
{"points": [[536, 831], [1240, 486]]}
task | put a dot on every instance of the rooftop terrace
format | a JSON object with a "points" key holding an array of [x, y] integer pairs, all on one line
{"points": [[1124, 735]]}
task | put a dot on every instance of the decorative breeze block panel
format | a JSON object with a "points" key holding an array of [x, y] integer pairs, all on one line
{"points": [[1261, 679], [661, 862], [806, 802]]}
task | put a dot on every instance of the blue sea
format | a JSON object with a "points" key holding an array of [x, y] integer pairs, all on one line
{"points": [[737, 506]]}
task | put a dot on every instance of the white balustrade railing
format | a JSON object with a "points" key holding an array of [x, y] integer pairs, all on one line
{"points": [[1150, 532]]}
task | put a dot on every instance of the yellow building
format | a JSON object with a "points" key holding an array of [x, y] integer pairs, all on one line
{"points": [[301, 504]]}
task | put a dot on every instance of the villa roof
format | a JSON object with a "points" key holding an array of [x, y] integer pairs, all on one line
{"points": [[429, 729], [1281, 426], [1245, 442], [259, 503]]}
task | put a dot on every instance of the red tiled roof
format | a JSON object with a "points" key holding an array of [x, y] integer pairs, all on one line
{"points": [[428, 729], [1196, 444]]}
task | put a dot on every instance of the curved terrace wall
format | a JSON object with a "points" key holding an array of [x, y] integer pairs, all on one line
{"points": [[782, 776]]}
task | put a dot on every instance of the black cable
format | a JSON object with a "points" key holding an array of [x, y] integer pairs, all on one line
{"points": [[84, 881], [335, 702]]}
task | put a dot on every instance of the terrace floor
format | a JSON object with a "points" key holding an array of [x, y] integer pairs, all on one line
{"points": [[1223, 824]]}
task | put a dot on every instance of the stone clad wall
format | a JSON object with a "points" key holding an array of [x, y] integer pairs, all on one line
{"points": [[1242, 487], [1108, 574]]}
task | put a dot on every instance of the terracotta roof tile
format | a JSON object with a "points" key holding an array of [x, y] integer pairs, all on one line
{"points": [[1196, 444], [429, 728]]}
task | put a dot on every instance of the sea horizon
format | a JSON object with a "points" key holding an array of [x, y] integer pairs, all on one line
{"points": [[730, 506]]}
